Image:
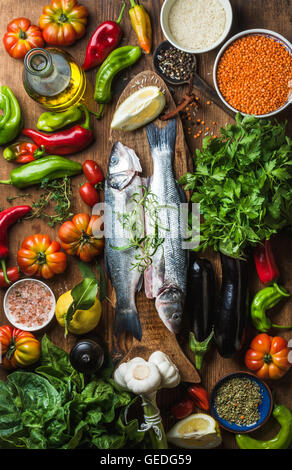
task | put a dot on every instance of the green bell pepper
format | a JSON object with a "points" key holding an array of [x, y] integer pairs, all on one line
{"points": [[267, 299], [281, 441], [117, 61], [51, 167], [51, 121], [11, 120]]}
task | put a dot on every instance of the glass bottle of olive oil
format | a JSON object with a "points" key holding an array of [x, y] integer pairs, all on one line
{"points": [[53, 78]]}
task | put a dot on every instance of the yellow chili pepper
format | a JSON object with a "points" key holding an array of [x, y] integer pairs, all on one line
{"points": [[141, 23]]}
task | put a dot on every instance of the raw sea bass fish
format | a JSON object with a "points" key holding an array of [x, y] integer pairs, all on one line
{"points": [[166, 278], [121, 183]]}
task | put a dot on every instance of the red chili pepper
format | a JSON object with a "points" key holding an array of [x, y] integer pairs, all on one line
{"points": [[23, 152], [65, 142], [103, 41], [89, 194], [200, 397], [265, 263], [13, 275], [7, 218], [183, 409], [92, 172]]}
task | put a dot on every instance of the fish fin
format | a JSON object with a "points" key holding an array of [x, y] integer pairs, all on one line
{"points": [[128, 321], [162, 139]]}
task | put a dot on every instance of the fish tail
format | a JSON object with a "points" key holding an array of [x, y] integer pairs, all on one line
{"points": [[162, 139], [128, 321]]}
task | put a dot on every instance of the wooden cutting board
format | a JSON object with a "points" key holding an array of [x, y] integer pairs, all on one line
{"points": [[155, 335]]}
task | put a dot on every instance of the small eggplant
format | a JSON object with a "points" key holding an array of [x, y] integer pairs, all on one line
{"points": [[201, 306], [231, 312], [86, 356]]}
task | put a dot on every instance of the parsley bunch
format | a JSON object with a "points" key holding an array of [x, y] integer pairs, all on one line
{"points": [[243, 182]]}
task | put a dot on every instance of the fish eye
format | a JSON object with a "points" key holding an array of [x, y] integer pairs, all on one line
{"points": [[176, 316], [114, 160]]}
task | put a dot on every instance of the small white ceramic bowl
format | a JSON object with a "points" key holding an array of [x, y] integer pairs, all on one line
{"points": [[20, 325], [166, 7], [264, 32]]}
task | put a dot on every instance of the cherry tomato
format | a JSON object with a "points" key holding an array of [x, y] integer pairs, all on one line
{"points": [[92, 172], [183, 409], [89, 194]]}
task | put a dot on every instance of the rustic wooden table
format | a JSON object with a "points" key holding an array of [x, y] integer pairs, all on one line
{"points": [[270, 14]]}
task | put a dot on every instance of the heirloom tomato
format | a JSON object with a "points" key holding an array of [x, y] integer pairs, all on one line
{"points": [[268, 356], [22, 36], [63, 22], [41, 257], [82, 236], [18, 348]]}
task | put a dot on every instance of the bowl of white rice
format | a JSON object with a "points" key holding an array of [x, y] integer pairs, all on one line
{"points": [[196, 26]]}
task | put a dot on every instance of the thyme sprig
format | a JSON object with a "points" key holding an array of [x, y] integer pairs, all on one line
{"points": [[133, 221], [56, 193]]}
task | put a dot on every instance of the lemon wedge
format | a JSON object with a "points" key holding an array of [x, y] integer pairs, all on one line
{"points": [[139, 109], [198, 431]]}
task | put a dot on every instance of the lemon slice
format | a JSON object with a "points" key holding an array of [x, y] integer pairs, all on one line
{"points": [[139, 109], [198, 431]]}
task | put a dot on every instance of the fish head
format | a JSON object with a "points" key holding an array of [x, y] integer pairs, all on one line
{"points": [[169, 305], [123, 166]]}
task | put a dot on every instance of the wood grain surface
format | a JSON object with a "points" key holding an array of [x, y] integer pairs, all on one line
{"points": [[270, 14]]}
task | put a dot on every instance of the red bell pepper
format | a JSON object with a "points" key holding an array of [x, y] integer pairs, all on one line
{"points": [[103, 41], [200, 397], [13, 275], [7, 218], [64, 142], [265, 263], [23, 152]]}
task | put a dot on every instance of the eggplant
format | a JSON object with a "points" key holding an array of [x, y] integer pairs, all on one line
{"points": [[201, 307], [231, 311], [86, 356]]}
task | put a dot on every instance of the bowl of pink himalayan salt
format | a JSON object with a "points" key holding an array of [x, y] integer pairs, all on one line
{"points": [[29, 304]]}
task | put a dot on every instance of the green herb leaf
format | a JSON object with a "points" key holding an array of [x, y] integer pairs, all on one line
{"points": [[243, 182], [84, 295]]}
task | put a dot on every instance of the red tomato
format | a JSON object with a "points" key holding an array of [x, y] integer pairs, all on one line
{"points": [[92, 172], [89, 194], [183, 409], [63, 22], [22, 36]]}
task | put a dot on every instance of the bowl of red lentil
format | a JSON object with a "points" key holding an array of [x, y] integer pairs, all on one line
{"points": [[253, 73], [29, 304]]}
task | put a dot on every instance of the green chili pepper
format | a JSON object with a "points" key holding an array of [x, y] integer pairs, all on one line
{"points": [[264, 300], [281, 441], [10, 121], [51, 167], [118, 60], [51, 121]]}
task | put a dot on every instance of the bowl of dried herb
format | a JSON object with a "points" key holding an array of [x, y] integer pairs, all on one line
{"points": [[241, 402]]}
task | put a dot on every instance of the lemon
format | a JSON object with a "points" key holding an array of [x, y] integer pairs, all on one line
{"points": [[83, 321], [198, 431], [139, 109]]}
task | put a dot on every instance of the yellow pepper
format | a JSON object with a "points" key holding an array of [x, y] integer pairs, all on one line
{"points": [[141, 23]]}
